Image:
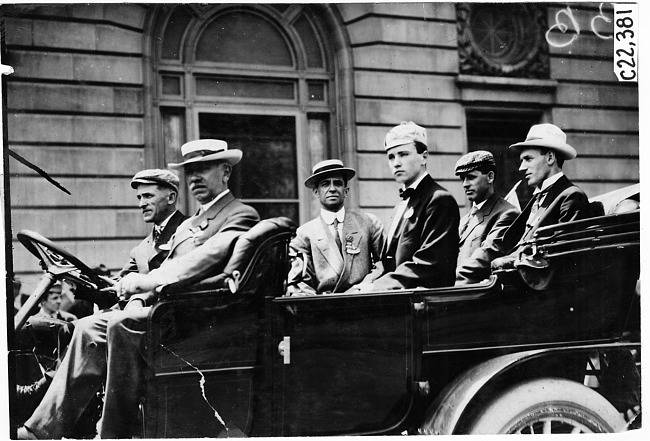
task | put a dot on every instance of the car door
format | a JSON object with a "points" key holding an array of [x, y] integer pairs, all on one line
{"points": [[346, 364]]}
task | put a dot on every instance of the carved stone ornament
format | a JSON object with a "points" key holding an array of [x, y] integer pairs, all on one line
{"points": [[502, 39]]}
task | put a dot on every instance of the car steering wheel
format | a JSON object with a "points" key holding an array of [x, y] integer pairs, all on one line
{"points": [[59, 262]]}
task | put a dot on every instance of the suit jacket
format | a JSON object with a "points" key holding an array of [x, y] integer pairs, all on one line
{"points": [[148, 255], [478, 244], [322, 268], [424, 248], [564, 202], [202, 244]]}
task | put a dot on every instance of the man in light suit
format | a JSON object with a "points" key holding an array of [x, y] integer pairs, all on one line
{"points": [[483, 227], [555, 199], [109, 346], [422, 243], [339, 248]]}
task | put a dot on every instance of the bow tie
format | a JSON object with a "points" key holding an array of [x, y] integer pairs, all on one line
{"points": [[405, 194]]}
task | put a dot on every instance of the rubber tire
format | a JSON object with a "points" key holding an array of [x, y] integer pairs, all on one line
{"points": [[547, 397]]}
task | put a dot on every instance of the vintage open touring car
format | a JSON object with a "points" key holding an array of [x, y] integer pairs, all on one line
{"points": [[552, 346]]}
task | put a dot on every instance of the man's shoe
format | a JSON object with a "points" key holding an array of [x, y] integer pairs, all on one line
{"points": [[25, 433]]}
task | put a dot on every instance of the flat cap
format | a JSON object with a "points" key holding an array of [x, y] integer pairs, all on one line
{"points": [[405, 133], [155, 176], [475, 160]]}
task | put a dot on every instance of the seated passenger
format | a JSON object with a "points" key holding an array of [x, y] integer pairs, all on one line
{"points": [[483, 227], [422, 244], [339, 248], [109, 346], [555, 199]]}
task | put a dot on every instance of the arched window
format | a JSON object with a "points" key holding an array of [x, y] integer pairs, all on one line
{"points": [[260, 77]]}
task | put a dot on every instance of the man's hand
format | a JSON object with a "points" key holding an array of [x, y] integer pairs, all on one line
{"points": [[134, 283]]}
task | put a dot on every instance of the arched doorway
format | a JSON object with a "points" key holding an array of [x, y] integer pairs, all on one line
{"points": [[262, 77]]}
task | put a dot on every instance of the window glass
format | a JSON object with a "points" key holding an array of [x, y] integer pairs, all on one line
{"points": [[239, 88], [171, 85], [243, 38], [268, 169], [309, 41], [174, 33], [495, 132]]}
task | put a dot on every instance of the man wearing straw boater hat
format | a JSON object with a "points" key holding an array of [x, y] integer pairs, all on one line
{"points": [[339, 248], [108, 346], [555, 199]]}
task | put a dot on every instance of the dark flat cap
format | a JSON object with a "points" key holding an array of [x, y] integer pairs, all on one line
{"points": [[475, 160], [155, 176]]}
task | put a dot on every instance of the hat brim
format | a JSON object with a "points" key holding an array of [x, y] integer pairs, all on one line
{"points": [[136, 182], [562, 148], [230, 156], [347, 174]]}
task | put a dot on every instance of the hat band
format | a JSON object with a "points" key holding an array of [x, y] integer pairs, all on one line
{"points": [[536, 138], [202, 153], [327, 168]]}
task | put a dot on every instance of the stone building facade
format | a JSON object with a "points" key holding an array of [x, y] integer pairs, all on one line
{"points": [[101, 91]]}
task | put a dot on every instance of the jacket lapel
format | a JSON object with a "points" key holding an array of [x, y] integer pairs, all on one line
{"points": [[411, 209], [481, 214], [199, 221], [327, 246]]}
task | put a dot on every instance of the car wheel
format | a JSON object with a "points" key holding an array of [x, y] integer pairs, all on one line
{"points": [[548, 405]]}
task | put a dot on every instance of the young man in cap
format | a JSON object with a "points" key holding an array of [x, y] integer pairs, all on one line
{"points": [[422, 243], [339, 248], [483, 227], [555, 199], [108, 346]]}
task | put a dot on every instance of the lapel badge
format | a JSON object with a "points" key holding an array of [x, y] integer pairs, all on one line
{"points": [[349, 248], [408, 213]]}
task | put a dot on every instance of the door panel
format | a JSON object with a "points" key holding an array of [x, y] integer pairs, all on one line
{"points": [[350, 364]]}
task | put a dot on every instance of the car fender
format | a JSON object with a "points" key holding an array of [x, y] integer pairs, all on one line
{"points": [[448, 407]]}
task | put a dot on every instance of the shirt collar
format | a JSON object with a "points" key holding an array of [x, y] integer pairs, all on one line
{"points": [[163, 224], [415, 183], [548, 182], [329, 216], [206, 207], [479, 205]]}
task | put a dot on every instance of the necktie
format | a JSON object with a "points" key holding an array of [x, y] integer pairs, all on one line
{"points": [[471, 219], [156, 233], [533, 210], [337, 237], [405, 194]]}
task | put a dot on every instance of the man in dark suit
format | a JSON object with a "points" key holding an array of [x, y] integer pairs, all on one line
{"points": [[422, 243], [157, 193], [555, 199], [339, 248], [490, 215], [109, 346]]}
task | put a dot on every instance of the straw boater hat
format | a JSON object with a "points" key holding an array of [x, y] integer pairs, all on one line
{"points": [[155, 176], [549, 136], [206, 150], [327, 168]]}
